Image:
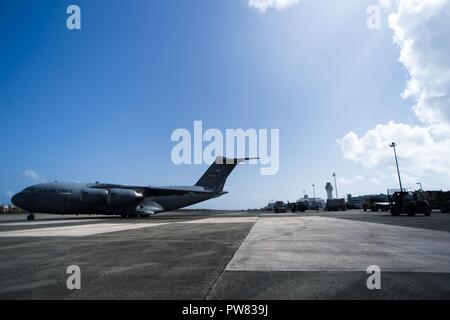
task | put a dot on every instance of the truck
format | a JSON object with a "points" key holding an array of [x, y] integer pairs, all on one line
{"points": [[279, 207], [376, 203], [336, 205], [409, 203], [439, 200], [444, 201], [301, 206]]}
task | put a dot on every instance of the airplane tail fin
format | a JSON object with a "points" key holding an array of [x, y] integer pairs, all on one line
{"points": [[215, 177]]}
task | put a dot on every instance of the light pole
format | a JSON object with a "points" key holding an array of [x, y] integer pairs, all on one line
{"points": [[420, 184], [314, 196], [335, 185], [393, 145]]}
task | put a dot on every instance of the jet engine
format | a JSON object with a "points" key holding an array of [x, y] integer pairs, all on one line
{"points": [[92, 196], [123, 197]]}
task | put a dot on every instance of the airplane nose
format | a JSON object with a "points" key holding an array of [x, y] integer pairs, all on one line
{"points": [[17, 199]]}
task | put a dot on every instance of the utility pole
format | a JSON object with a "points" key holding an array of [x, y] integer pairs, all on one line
{"points": [[335, 185], [393, 145], [314, 196]]}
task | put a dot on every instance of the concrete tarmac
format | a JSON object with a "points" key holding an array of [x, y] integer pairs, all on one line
{"points": [[205, 255]]}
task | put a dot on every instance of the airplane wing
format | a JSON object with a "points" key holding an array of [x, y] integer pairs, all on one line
{"points": [[167, 191], [211, 182], [157, 191]]}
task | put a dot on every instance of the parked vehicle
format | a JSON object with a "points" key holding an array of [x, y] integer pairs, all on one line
{"points": [[408, 203], [280, 207], [301, 206], [376, 204], [436, 199], [336, 205]]}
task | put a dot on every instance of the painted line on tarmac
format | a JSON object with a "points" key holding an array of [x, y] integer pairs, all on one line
{"points": [[78, 231], [34, 223], [224, 220]]}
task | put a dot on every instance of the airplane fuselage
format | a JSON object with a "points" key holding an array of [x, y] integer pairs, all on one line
{"points": [[125, 200], [88, 198]]}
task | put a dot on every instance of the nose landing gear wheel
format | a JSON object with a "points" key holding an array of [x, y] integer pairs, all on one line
{"points": [[30, 217]]}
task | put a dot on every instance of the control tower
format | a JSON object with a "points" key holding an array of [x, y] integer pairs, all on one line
{"points": [[329, 190]]}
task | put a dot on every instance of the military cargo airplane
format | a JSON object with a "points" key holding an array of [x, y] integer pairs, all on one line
{"points": [[124, 200]]}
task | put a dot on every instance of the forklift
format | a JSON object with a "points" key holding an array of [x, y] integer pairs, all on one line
{"points": [[408, 203]]}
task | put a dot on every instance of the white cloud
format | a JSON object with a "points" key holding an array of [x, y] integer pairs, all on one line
{"points": [[263, 5], [33, 175], [420, 153], [343, 180], [421, 30]]}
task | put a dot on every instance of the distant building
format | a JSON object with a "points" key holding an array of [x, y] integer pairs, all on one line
{"points": [[10, 209], [313, 203], [390, 192], [329, 190]]}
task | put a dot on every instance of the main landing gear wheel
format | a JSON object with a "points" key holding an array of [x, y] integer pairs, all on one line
{"points": [[30, 217]]}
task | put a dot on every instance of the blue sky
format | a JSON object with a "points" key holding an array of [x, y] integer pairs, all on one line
{"points": [[101, 103]]}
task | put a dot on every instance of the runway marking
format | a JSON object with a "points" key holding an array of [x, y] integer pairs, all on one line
{"points": [[33, 223], [99, 228], [330, 244], [223, 220], [78, 231]]}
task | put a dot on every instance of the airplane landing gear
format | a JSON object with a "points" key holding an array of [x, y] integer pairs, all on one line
{"points": [[30, 217]]}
